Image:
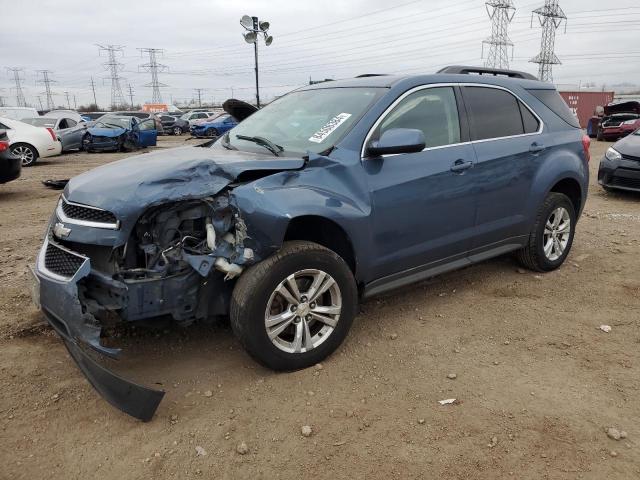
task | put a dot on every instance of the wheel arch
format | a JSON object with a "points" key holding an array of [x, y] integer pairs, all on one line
{"points": [[571, 188], [325, 232]]}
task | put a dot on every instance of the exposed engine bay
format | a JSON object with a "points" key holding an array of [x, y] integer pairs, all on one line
{"points": [[169, 265]]}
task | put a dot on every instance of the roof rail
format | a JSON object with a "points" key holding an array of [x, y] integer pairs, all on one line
{"points": [[365, 75], [465, 70]]}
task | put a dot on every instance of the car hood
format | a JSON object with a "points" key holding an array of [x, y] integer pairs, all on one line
{"points": [[238, 109], [106, 132], [629, 145], [625, 107], [128, 187]]}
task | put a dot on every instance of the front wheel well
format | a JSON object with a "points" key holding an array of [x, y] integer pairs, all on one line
{"points": [[571, 188], [324, 232]]}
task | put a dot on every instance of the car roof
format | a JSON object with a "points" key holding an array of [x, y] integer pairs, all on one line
{"points": [[409, 81]]}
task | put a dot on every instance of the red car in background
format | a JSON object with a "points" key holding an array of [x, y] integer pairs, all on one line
{"points": [[619, 120]]}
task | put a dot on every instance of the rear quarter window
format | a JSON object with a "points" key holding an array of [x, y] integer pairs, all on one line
{"points": [[555, 103]]}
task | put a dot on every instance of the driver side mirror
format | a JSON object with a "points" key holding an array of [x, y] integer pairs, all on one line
{"points": [[397, 140]]}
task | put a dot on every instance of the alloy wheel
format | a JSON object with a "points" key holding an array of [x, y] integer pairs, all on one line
{"points": [[303, 311], [25, 154], [557, 232], [177, 131]]}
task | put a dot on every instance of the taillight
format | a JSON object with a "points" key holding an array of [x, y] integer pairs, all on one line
{"points": [[586, 143], [52, 133], [4, 146]]}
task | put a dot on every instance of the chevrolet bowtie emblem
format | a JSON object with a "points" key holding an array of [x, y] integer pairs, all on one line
{"points": [[60, 231]]}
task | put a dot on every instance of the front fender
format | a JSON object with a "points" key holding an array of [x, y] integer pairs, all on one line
{"points": [[332, 191]]}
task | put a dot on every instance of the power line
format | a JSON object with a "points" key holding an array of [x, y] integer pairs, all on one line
{"points": [[550, 17], [17, 79], [501, 13], [46, 81], [114, 67], [154, 67]]}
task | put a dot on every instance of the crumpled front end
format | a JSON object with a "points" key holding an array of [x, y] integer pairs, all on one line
{"points": [[176, 264]]}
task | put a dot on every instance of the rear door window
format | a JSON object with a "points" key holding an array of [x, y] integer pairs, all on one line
{"points": [[496, 113]]}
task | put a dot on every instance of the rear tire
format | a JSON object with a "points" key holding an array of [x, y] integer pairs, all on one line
{"points": [[177, 130], [552, 235], [28, 154], [283, 329]]}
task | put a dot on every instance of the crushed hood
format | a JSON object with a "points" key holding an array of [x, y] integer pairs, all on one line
{"points": [[128, 187], [238, 109]]}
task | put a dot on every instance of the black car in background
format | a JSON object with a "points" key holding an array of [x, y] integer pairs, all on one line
{"points": [[174, 125], [10, 165], [620, 167]]}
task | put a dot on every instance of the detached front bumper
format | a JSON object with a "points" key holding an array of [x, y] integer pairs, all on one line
{"points": [[623, 174], [57, 295]]}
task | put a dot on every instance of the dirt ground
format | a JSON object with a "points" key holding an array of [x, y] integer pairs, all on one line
{"points": [[537, 381]]}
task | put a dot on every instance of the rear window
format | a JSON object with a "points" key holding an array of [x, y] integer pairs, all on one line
{"points": [[555, 103], [496, 113]]}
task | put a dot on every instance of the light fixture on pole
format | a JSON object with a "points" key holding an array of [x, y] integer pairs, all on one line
{"points": [[254, 29]]}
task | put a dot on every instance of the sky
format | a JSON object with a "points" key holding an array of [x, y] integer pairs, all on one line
{"points": [[203, 46]]}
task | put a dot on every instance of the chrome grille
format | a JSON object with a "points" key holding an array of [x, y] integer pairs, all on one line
{"points": [[61, 261], [75, 213]]}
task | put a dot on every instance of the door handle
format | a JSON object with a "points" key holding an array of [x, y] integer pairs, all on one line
{"points": [[460, 166], [536, 147]]}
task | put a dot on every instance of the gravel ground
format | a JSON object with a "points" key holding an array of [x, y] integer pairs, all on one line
{"points": [[536, 383]]}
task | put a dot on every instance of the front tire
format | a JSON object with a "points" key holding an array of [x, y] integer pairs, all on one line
{"points": [[211, 133], [27, 154], [552, 235], [295, 308], [177, 130]]}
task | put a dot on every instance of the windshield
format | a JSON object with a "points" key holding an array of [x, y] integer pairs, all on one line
{"points": [[113, 122], [310, 120], [40, 122]]}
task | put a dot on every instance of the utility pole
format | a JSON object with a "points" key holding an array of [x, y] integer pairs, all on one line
{"points": [[114, 67], [93, 87], [154, 68], [254, 27], [501, 13], [17, 79], [550, 17], [199, 92], [46, 81], [131, 95], [66, 94]]}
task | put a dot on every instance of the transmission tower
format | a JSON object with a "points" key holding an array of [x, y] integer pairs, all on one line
{"points": [[501, 13], [46, 81], [131, 95], [114, 67], [154, 68], [93, 87], [551, 18], [17, 79], [199, 92]]}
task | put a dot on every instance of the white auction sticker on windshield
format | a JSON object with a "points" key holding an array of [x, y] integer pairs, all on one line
{"points": [[329, 128]]}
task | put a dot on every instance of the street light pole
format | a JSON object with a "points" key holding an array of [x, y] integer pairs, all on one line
{"points": [[255, 27]]}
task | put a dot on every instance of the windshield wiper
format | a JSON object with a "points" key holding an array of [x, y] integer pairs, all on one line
{"points": [[263, 142]]}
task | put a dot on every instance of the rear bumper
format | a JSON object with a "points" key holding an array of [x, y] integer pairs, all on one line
{"points": [[10, 167], [52, 150], [60, 303], [621, 174]]}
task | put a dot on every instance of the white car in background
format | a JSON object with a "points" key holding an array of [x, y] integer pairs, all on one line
{"points": [[193, 117], [29, 142], [18, 113]]}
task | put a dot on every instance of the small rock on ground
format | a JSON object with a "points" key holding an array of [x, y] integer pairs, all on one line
{"points": [[306, 431], [242, 448]]}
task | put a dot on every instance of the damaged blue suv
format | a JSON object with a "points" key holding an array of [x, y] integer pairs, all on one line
{"points": [[331, 194]]}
